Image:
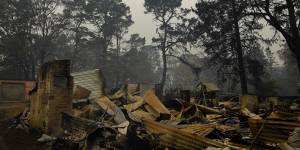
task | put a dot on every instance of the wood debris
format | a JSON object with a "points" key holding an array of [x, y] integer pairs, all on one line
{"points": [[134, 117]]}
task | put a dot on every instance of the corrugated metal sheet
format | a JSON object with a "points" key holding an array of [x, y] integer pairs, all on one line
{"points": [[179, 139], [275, 130], [91, 80]]}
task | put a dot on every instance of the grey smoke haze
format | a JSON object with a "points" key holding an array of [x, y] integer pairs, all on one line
{"points": [[145, 26], [143, 23]]}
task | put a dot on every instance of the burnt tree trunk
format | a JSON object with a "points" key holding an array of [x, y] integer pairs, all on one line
{"points": [[239, 50], [298, 57], [118, 49], [164, 73], [164, 58], [76, 46], [104, 42], [294, 43]]}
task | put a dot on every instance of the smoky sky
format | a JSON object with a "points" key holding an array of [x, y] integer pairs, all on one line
{"points": [[145, 26], [143, 23]]}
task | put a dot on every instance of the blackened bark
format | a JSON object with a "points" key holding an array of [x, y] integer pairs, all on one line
{"points": [[118, 59], [295, 43], [239, 51], [105, 42], [164, 74], [298, 56], [164, 57]]}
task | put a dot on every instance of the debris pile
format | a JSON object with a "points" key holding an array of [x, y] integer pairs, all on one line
{"points": [[134, 117], [129, 119]]}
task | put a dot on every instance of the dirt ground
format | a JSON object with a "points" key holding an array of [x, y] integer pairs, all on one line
{"points": [[18, 139]]}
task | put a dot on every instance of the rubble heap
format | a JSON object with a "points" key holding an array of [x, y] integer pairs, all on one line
{"points": [[134, 117]]}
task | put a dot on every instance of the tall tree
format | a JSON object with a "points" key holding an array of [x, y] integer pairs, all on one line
{"points": [[75, 11], [110, 18], [132, 60], [16, 25], [28, 31], [284, 16], [256, 64], [238, 45], [164, 13], [48, 25], [226, 33]]}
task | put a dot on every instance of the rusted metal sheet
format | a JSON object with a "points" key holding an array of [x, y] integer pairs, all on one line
{"points": [[138, 102], [204, 129], [91, 80], [52, 96], [112, 109], [274, 130], [200, 130], [142, 114], [81, 93], [152, 100], [179, 139]]}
